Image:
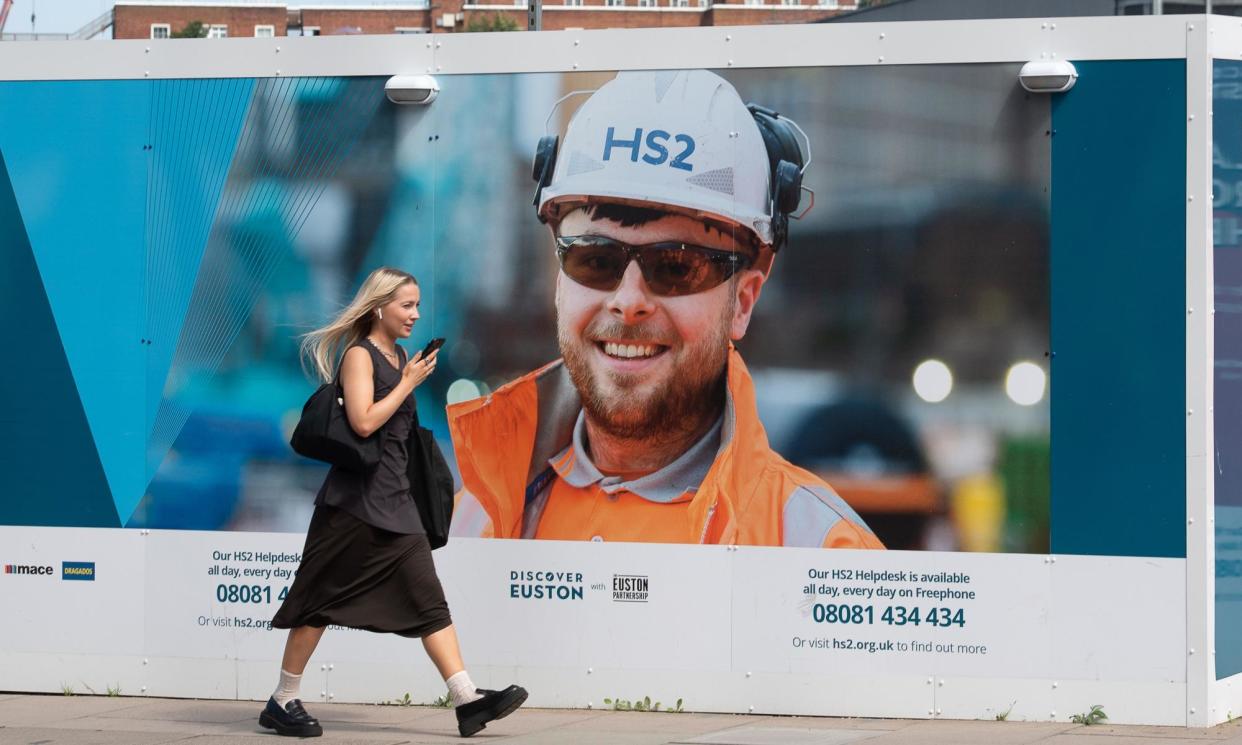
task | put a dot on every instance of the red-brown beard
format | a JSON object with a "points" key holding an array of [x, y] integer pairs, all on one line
{"points": [[693, 397]]}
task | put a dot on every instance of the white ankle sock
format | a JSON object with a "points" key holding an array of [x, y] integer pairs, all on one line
{"points": [[289, 687], [461, 689]]}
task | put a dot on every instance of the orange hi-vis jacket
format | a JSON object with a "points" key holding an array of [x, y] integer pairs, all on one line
{"points": [[750, 495]]}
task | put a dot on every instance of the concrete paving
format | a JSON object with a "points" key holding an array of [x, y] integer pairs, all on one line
{"points": [[101, 720]]}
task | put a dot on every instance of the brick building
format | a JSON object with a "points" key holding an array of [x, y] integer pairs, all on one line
{"points": [[141, 19]]}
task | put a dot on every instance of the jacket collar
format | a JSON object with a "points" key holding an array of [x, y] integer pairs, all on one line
{"points": [[672, 483], [504, 441]]}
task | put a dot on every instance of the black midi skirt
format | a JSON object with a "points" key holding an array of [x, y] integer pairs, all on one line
{"points": [[354, 574]]}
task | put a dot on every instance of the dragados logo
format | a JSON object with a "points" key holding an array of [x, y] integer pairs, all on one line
{"points": [[27, 569], [79, 570]]}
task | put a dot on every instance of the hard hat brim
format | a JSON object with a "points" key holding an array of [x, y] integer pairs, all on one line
{"points": [[555, 207]]}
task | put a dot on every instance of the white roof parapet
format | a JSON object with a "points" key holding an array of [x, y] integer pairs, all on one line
{"points": [[809, 45]]}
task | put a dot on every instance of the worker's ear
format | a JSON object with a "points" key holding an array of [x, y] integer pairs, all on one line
{"points": [[746, 288]]}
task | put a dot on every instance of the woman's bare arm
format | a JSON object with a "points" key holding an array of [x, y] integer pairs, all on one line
{"points": [[365, 414]]}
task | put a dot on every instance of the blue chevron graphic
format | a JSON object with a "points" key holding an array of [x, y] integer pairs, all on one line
{"points": [[195, 126], [266, 199], [49, 469], [77, 160]]}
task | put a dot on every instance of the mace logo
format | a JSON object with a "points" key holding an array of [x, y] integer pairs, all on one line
{"points": [[28, 569], [78, 570], [630, 588]]}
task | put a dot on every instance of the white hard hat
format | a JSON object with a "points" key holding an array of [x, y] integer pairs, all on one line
{"points": [[677, 139]]}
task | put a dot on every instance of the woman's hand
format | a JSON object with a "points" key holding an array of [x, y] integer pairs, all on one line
{"points": [[417, 369]]}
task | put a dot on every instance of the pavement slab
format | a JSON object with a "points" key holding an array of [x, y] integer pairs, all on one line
{"points": [[178, 710], [101, 720], [783, 736], [668, 724], [983, 732], [561, 737], [34, 711], [53, 736], [1083, 738], [270, 739]]}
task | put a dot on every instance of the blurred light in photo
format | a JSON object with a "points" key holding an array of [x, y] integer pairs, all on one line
{"points": [[933, 381]]}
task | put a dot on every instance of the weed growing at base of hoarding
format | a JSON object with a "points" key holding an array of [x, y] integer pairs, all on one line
{"points": [[444, 702], [1095, 716], [402, 701], [66, 689], [643, 704], [114, 690], [1002, 716]]}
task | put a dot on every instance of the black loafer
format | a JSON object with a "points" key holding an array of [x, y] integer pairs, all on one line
{"points": [[291, 721], [494, 705]]}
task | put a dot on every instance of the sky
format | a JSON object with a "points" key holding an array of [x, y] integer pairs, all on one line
{"points": [[54, 16]]}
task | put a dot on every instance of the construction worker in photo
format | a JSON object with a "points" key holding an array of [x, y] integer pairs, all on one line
{"points": [[668, 199]]}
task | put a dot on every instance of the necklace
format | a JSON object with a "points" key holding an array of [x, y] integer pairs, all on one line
{"points": [[390, 355]]}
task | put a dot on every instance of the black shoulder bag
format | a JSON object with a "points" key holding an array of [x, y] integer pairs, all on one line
{"points": [[431, 484], [323, 432]]}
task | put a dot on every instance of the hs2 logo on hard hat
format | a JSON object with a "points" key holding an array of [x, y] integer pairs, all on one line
{"points": [[657, 151]]}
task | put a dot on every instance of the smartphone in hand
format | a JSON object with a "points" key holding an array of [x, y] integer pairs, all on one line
{"points": [[432, 346]]}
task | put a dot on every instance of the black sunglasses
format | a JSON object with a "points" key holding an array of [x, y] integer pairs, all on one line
{"points": [[668, 268]]}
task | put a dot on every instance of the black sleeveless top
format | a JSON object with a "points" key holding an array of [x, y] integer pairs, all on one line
{"points": [[380, 497]]}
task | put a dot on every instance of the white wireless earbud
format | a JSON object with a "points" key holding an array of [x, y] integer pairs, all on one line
{"points": [[380, 312]]}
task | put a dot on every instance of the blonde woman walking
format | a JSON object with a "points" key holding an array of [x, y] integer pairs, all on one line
{"points": [[367, 562]]}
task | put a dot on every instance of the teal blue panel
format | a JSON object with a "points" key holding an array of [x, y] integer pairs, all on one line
{"points": [[50, 472], [76, 153], [195, 125], [1119, 311]]}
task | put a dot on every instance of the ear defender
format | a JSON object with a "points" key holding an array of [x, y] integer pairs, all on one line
{"points": [[545, 163], [786, 161]]}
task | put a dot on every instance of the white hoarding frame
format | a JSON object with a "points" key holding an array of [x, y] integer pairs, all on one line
{"points": [[816, 45], [1197, 39], [1200, 547]]}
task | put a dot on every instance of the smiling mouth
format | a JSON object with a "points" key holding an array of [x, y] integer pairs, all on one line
{"points": [[630, 351]]}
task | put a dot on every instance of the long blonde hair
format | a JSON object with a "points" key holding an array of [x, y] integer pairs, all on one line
{"points": [[325, 346]]}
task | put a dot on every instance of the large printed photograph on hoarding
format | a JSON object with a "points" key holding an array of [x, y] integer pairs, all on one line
{"points": [[800, 307], [1227, 375]]}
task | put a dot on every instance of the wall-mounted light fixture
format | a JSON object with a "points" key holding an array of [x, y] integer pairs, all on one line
{"points": [[419, 90], [1048, 76]]}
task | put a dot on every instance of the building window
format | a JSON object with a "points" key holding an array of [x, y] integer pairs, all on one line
{"points": [[310, 31], [614, 3], [752, 2], [573, 3], [408, 30], [791, 2], [218, 31], [160, 30], [646, 3], [264, 32], [705, 3], [679, 3]]}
